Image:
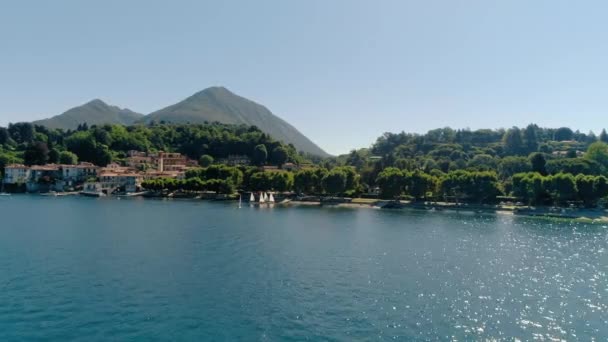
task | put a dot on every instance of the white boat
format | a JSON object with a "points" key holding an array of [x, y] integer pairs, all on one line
{"points": [[92, 193], [252, 198], [240, 202], [262, 197], [271, 199]]}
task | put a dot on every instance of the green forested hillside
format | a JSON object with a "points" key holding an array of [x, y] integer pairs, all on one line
{"points": [[95, 112], [218, 104], [29, 144]]}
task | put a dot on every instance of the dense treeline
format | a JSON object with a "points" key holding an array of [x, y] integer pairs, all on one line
{"points": [[34, 145], [560, 188], [343, 181], [479, 165]]}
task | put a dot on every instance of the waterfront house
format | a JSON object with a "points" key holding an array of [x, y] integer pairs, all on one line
{"points": [[92, 188], [78, 173], [16, 174], [51, 177], [74, 175], [43, 178], [111, 181]]}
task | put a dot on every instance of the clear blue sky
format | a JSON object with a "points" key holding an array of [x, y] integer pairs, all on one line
{"points": [[341, 71]]}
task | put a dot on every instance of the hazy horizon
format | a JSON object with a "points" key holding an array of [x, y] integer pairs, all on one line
{"points": [[342, 73]]}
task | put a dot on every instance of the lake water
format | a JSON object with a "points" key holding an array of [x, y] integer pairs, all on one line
{"points": [[108, 269]]}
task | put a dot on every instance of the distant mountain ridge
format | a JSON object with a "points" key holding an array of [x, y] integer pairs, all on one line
{"points": [[95, 112], [221, 105], [215, 104]]}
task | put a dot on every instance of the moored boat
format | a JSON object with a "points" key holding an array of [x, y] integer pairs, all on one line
{"points": [[92, 193]]}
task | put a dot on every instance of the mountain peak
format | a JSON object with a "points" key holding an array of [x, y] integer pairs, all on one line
{"points": [[94, 112], [213, 104], [213, 92], [96, 102], [218, 104]]}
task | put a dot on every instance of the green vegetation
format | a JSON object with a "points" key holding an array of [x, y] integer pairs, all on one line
{"points": [[215, 104], [560, 188], [534, 165], [101, 145], [218, 104]]}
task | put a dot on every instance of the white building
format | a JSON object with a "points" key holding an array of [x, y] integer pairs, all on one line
{"points": [[131, 182], [16, 174], [78, 173]]}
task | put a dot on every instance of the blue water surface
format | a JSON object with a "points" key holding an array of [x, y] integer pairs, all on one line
{"points": [[106, 269]]}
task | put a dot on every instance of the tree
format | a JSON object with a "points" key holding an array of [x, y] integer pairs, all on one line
{"points": [[4, 136], [586, 190], [604, 136], [456, 183], [103, 156], [531, 138], [574, 166], [260, 181], [482, 162], [512, 165], [485, 186], [307, 181], [391, 182], [260, 154], [538, 163], [22, 132], [512, 141], [352, 179], [334, 182], [598, 151], [600, 186], [561, 186], [282, 181], [478, 186], [279, 155], [529, 187], [205, 160], [68, 158], [563, 134], [418, 184], [36, 153], [53, 156]]}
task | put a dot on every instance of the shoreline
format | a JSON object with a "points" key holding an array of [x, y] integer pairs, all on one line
{"points": [[575, 215], [584, 215]]}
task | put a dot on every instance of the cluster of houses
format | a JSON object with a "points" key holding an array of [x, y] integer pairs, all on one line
{"points": [[95, 180], [139, 167]]}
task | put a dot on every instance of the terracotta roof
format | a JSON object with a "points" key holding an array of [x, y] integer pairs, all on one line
{"points": [[48, 167], [16, 166]]}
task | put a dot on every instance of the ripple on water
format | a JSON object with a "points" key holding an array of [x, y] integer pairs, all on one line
{"points": [[204, 271]]}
